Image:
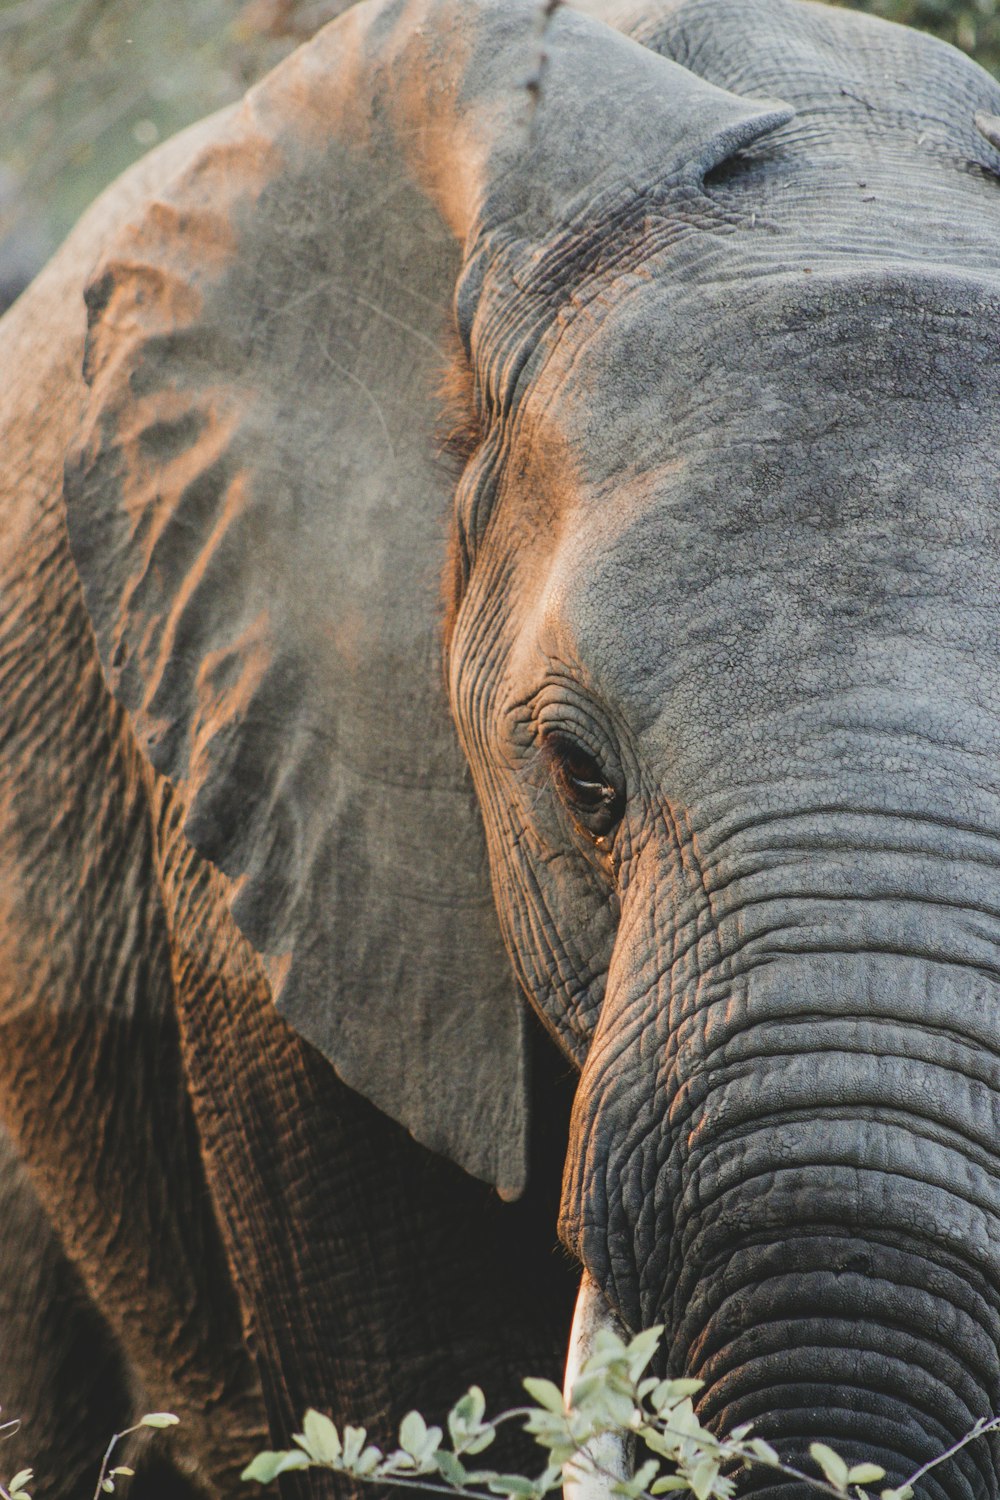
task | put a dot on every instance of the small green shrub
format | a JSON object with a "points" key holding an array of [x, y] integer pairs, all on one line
{"points": [[613, 1396]]}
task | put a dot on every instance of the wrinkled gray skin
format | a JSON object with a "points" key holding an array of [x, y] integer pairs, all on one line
{"points": [[722, 653]]}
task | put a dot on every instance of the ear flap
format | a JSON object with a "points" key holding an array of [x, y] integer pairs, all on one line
{"points": [[259, 520]]}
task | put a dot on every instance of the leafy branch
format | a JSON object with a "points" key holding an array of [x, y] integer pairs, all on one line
{"points": [[106, 1478], [613, 1396], [16, 1488]]}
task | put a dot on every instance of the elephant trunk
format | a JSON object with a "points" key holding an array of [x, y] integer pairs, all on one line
{"points": [[786, 1151]]}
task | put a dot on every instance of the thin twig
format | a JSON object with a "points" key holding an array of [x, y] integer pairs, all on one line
{"points": [[985, 1425], [420, 1484], [115, 1439]]}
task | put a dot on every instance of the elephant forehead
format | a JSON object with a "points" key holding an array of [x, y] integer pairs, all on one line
{"points": [[824, 525], [835, 526], [659, 371], [747, 621]]}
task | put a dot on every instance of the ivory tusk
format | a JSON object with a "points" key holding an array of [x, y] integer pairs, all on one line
{"points": [[609, 1454]]}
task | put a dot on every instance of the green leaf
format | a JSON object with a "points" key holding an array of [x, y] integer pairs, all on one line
{"points": [[412, 1433], [367, 1462], [682, 1421], [669, 1393], [267, 1466], [833, 1466], [451, 1469], [865, 1474], [468, 1410], [608, 1352], [263, 1468], [431, 1445], [669, 1482], [546, 1427], [511, 1484], [607, 1407], [320, 1438], [905, 1492], [632, 1488], [564, 1453], [584, 1388], [399, 1462], [21, 1478], [107, 1486], [703, 1476], [763, 1452], [124, 1470], [545, 1393], [468, 1432], [607, 1343], [159, 1419], [641, 1350], [354, 1442], [663, 1443]]}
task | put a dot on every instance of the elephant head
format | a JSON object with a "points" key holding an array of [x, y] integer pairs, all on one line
{"points": [[714, 304]]}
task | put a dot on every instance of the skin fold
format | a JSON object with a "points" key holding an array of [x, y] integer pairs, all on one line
{"points": [[664, 918]]}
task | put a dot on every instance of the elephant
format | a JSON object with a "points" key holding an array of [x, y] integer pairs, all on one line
{"points": [[501, 743]]}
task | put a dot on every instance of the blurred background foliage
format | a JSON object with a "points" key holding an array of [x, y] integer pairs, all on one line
{"points": [[973, 25], [88, 85]]}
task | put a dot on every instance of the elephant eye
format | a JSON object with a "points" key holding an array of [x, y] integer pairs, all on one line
{"points": [[592, 798]]}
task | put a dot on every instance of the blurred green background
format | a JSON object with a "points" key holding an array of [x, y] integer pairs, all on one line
{"points": [[88, 85], [974, 27]]}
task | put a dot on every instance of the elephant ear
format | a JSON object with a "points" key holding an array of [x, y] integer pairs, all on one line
{"points": [[258, 514], [259, 518]]}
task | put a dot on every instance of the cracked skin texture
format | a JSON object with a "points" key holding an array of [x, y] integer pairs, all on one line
{"points": [[723, 546]]}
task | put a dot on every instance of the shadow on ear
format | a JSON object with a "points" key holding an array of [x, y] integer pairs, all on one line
{"points": [[259, 516]]}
